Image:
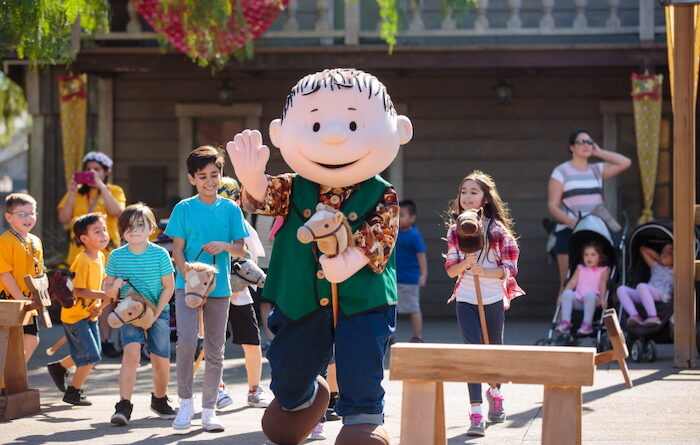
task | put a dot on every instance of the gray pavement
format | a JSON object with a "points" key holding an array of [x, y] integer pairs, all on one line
{"points": [[662, 408]]}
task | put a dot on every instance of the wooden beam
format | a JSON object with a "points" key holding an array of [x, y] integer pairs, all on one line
{"points": [[560, 366], [105, 116], [106, 60], [681, 54], [697, 215], [697, 270]]}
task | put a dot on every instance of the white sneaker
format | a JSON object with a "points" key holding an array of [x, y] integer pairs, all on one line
{"points": [[317, 432], [210, 422], [223, 398], [257, 398], [183, 420]]}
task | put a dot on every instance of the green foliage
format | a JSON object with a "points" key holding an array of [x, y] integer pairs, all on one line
{"points": [[40, 30], [390, 22], [13, 107]]}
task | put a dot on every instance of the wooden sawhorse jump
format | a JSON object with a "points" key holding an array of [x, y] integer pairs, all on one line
{"points": [[562, 370], [16, 400]]}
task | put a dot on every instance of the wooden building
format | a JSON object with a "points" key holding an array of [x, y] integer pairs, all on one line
{"points": [[567, 65]]}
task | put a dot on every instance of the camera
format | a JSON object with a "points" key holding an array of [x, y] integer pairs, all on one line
{"points": [[84, 177]]}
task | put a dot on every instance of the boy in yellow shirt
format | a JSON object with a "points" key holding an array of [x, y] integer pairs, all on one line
{"points": [[21, 253], [80, 321]]}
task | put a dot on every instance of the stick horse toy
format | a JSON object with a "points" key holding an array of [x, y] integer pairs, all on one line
{"points": [[470, 238], [332, 233], [200, 280]]}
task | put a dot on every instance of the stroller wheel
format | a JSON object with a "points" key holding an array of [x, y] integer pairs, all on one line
{"points": [[650, 351], [636, 351]]}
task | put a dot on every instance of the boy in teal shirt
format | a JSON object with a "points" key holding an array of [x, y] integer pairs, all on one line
{"points": [[144, 268], [209, 229]]}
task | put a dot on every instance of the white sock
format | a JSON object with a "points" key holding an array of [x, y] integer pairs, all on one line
{"points": [[476, 410], [495, 392]]}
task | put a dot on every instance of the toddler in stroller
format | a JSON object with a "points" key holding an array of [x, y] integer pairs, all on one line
{"points": [[659, 287], [586, 287]]}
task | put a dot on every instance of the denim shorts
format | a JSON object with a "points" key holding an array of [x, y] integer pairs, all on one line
{"points": [[83, 339], [156, 339]]}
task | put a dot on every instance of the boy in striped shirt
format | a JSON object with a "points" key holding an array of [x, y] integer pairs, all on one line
{"points": [[145, 268]]}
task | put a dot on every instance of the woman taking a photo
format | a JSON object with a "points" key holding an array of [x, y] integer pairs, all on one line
{"points": [[92, 194], [576, 189]]}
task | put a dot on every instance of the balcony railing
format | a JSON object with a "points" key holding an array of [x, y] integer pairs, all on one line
{"points": [[422, 22]]}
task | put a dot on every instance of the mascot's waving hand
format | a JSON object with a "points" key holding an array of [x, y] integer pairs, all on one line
{"points": [[338, 131]]}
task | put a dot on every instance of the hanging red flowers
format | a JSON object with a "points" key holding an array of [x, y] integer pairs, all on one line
{"points": [[210, 31]]}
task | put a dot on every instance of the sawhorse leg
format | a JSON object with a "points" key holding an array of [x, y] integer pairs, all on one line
{"points": [[561, 415], [423, 414]]}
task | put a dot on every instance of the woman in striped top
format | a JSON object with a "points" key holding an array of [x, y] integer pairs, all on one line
{"points": [[576, 188]]}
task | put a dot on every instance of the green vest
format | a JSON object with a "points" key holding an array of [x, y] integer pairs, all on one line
{"points": [[295, 281]]}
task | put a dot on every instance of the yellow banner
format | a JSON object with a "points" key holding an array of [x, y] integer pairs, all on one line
{"points": [[73, 93], [646, 97]]}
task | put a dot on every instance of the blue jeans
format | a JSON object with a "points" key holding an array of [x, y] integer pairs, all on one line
{"points": [[157, 338], [302, 349], [83, 338], [470, 328]]}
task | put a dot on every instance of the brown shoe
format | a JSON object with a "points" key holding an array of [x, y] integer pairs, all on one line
{"points": [[293, 427], [363, 434]]}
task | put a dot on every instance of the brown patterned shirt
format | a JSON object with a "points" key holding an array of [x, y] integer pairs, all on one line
{"points": [[377, 235]]}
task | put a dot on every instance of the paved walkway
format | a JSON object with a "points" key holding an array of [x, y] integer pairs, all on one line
{"points": [[662, 408]]}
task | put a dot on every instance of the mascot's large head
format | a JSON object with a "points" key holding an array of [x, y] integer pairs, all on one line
{"points": [[339, 127]]}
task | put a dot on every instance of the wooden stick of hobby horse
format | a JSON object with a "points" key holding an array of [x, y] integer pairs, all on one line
{"points": [[482, 315], [334, 302], [200, 357], [50, 351]]}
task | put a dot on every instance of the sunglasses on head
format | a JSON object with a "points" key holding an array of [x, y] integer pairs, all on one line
{"points": [[584, 141]]}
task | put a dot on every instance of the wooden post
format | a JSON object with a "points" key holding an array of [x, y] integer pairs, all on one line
{"points": [[681, 54], [17, 400], [423, 414], [561, 415]]}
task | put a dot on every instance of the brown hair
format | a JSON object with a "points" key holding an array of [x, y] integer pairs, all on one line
{"points": [[598, 248], [202, 156], [18, 199], [134, 213], [82, 223], [494, 206]]}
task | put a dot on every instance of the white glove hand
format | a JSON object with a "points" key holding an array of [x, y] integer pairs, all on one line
{"points": [[249, 158], [343, 266]]}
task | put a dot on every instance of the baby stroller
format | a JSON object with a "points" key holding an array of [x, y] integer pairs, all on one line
{"points": [[589, 228], [642, 340]]}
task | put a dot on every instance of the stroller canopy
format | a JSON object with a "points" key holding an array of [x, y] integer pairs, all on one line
{"points": [[591, 228], [654, 234]]}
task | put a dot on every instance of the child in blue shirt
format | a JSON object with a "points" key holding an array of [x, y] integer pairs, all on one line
{"points": [[145, 268], [411, 267], [209, 229]]}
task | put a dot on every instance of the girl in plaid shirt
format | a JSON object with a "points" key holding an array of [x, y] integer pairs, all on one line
{"points": [[496, 265]]}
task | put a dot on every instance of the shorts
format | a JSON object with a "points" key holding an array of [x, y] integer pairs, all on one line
{"points": [[243, 325], [408, 298], [83, 339], [563, 239], [157, 338], [31, 328]]}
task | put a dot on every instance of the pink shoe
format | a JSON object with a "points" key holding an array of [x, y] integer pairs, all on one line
{"points": [[585, 329], [564, 327], [634, 320], [417, 340], [652, 321]]}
